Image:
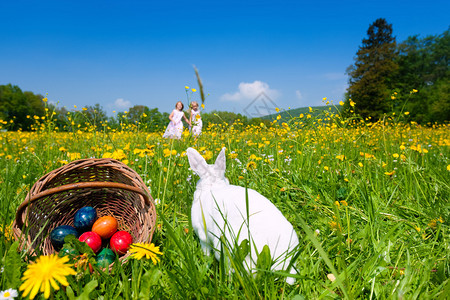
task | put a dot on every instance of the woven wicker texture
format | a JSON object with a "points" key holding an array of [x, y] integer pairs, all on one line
{"points": [[108, 185]]}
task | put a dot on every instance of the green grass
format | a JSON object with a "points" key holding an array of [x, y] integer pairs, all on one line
{"points": [[376, 221]]}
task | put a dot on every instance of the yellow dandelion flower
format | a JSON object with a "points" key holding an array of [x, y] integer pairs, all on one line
{"points": [[344, 203], [251, 165], [389, 173], [360, 164], [278, 117], [45, 99], [340, 157], [203, 106], [406, 113], [326, 168], [167, 152], [433, 224], [395, 155], [150, 251], [277, 109], [352, 104], [186, 87], [335, 226], [42, 275], [194, 90], [341, 103], [310, 109], [7, 232]]}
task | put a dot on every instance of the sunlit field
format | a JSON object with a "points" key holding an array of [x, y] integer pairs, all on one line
{"points": [[369, 202]]}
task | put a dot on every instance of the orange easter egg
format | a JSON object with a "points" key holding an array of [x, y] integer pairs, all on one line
{"points": [[105, 226]]}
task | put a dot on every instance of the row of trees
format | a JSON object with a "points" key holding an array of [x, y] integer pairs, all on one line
{"points": [[412, 76], [20, 109]]}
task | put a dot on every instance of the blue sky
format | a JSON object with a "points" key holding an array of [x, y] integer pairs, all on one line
{"points": [[125, 53]]}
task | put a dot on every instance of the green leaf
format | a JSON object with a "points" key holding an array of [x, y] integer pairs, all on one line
{"points": [[71, 241], [13, 265], [243, 250], [264, 261], [88, 288], [70, 293], [148, 280]]}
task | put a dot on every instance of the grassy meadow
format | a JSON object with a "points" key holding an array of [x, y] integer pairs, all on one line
{"points": [[369, 201]]}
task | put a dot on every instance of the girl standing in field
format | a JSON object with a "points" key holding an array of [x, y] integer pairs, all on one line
{"points": [[196, 119], [175, 127]]}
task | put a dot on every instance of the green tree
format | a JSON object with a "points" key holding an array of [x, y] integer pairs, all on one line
{"points": [[19, 107], [95, 115], [137, 113], [219, 117], [59, 116], [369, 77], [424, 66]]}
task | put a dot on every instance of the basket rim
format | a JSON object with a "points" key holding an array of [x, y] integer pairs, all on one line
{"points": [[74, 186]]}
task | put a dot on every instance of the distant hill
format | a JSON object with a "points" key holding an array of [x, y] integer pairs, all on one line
{"points": [[288, 114]]}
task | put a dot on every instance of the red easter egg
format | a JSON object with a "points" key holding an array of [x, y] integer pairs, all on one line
{"points": [[92, 239], [105, 226], [120, 242]]}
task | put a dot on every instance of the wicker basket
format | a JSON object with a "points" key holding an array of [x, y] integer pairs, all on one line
{"points": [[108, 185]]}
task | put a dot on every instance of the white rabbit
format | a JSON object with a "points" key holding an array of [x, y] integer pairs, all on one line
{"points": [[220, 209]]}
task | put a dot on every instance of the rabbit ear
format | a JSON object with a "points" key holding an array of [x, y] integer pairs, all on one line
{"points": [[197, 162], [220, 164]]}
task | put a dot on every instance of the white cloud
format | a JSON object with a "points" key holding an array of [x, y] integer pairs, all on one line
{"points": [[120, 104], [298, 94], [249, 91]]}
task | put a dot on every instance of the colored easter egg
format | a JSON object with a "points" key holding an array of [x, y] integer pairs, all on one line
{"points": [[120, 242], [59, 233], [105, 226], [104, 262], [84, 218], [92, 239], [105, 258]]}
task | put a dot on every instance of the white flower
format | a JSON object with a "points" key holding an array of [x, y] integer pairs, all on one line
{"points": [[157, 201], [8, 294]]}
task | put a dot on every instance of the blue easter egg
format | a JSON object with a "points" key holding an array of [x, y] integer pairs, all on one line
{"points": [[84, 218], [59, 233]]}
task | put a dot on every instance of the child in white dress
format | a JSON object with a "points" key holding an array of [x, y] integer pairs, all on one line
{"points": [[196, 119], [175, 127]]}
